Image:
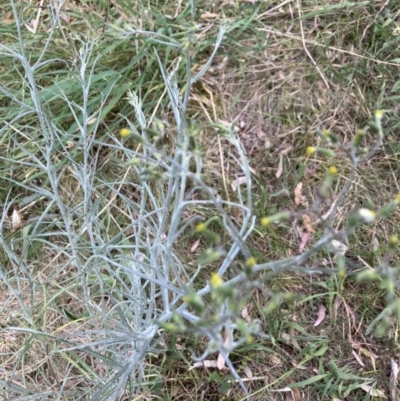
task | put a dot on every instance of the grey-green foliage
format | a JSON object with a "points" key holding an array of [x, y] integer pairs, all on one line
{"points": [[126, 282]]}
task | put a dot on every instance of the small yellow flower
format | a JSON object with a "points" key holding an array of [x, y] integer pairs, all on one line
{"points": [[341, 273], [125, 132], [186, 299], [249, 339], [216, 280], [332, 170], [326, 133], [397, 199], [201, 227], [393, 240], [378, 114], [265, 221], [310, 150], [251, 262]]}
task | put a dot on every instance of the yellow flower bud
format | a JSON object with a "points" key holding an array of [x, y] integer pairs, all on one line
{"points": [[310, 150], [393, 241], [265, 221], [125, 132], [201, 227], [332, 170], [251, 262], [249, 339], [216, 280]]}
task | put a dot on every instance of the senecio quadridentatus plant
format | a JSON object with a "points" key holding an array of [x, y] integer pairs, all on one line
{"points": [[152, 291]]}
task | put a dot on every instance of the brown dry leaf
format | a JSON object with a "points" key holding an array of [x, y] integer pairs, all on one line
{"points": [[220, 362], [304, 238], [35, 22], [321, 315], [252, 171], [221, 66], [209, 16], [307, 223], [239, 181], [340, 248], [375, 245], [204, 364], [287, 150], [245, 314], [16, 221], [248, 372], [8, 18], [195, 245], [394, 370], [358, 359], [282, 390], [276, 360], [336, 305], [297, 194], [221, 359], [292, 334], [373, 392], [302, 367], [64, 17], [393, 379], [296, 394], [264, 138], [354, 344], [280, 166]]}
